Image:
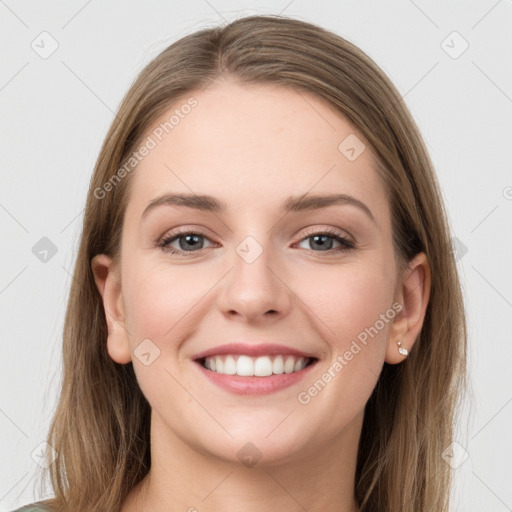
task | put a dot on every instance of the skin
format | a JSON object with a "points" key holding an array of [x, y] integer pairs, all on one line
{"points": [[253, 146]]}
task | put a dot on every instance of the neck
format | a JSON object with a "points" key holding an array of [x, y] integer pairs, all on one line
{"points": [[184, 479]]}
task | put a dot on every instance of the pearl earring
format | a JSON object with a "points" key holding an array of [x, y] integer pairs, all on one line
{"points": [[401, 349]]}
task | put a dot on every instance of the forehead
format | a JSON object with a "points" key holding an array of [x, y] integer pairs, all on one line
{"points": [[255, 145]]}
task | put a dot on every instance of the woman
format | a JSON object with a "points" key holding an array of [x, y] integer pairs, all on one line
{"points": [[265, 312]]}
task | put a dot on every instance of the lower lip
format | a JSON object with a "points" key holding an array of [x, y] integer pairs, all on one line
{"points": [[255, 385]]}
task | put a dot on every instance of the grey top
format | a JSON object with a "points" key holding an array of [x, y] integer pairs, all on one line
{"points": [[32, 507]]}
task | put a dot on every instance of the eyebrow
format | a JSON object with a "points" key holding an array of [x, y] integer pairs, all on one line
{"points": [[292, 204]]}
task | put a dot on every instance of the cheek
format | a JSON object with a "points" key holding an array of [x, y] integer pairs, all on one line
{"points": [[165, 302], [158, 302], [348, 299], [352, 308], [348, 304], [157, 298]]}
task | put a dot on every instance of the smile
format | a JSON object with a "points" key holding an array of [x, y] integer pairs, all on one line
{"points": [[261, 366], [253, 368]]}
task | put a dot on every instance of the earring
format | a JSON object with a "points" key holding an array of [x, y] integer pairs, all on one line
{"points": [[402, 350]]}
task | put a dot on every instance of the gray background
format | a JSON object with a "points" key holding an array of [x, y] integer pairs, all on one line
{"points": [[56, 111]]}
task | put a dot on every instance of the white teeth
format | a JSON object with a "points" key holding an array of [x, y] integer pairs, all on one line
{"points": [[229, 366], [244, 366], [289, 364], [261, 366], [299, 364], [278, 365]]}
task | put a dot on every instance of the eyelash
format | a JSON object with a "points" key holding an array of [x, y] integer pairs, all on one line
{"points": [[346, 245]]}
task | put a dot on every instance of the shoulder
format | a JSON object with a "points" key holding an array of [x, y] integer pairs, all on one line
{"points": [[32, 507]]}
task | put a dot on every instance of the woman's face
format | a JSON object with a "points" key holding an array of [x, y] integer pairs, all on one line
{"points": [[265, 264]]}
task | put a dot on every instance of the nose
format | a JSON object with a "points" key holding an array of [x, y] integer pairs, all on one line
{"points": [[256, 289]]}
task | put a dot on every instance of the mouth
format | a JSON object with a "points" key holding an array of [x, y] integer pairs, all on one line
{"points": [[254, 369], [260, 366]]}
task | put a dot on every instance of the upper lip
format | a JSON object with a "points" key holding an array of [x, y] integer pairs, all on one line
{"points": [[261, 349]]}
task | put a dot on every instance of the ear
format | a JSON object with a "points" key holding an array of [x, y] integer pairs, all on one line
{"points": [[108, 282], [413, 293]]}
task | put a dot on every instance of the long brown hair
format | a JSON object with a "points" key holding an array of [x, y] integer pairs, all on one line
{"points": [[101, 425]]}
